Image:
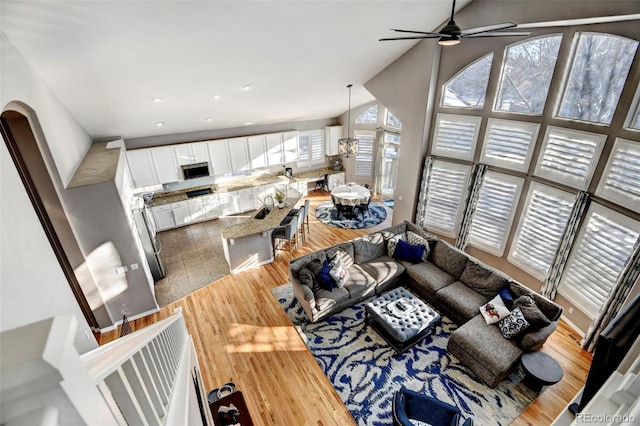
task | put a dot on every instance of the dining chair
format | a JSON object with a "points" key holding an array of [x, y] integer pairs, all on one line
{"points": [[324, 183]]}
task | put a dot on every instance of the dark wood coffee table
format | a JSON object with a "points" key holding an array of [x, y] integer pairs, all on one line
{"points": [[540, 370]]}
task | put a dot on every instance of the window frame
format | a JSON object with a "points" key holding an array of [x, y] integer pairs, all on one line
{"points": [[443, 96], [476, 121], [511, 165], [614, 196], [371, 160], [634, 112]]}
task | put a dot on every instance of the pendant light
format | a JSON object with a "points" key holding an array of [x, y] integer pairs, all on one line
{"points": [[348, 147]]}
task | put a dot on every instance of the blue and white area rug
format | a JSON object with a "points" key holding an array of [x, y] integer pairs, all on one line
{"points": [[328, 214], [365, 371]]}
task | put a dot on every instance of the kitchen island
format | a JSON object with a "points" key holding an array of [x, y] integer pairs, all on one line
{"points": [[249, 244]]}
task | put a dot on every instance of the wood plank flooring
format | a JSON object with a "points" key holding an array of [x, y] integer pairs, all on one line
{"points": [[242, 335]]}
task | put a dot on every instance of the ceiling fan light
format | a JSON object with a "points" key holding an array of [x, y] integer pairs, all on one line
{"points": [[450, 40]]}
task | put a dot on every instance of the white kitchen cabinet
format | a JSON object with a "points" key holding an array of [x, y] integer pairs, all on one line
{"points": [[190, 153], [275, 149], [335, 179], [163, 217], [245, 200], [180, 212], [141, 167], [290, 146], [239, 154], [218, 157], [195, 207], [228, 204], [257, 151], [166, 166], [211, 206], [301, 186], [333, 134]]}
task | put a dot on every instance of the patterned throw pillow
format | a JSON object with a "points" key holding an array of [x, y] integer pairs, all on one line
{"points": [[338, 272], [309, 272], [326, 282], [531, 312], [494, 310], [513, 325], [417, 240], [393, 242]]}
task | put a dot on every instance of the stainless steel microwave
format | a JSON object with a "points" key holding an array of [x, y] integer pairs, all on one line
{"points": [[192, 171]]}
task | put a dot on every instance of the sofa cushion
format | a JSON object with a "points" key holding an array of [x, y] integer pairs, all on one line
{"points": [[513, 325], [368, 247], [483, 278], [308, 274], [531, 312], [409, 252], [296, 264], [383, 269], [494, 310], [360, 283], [348, 255], [326, 299], [449, 259], [429, 277], [415, 239], [463, 300]]}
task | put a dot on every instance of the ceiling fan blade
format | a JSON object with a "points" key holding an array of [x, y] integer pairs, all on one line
{"points": [[418, 32], [410, 38], [487, 28], [498, 34]]}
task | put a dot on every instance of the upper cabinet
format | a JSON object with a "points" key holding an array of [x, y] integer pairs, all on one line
{"points": [[141, 167], [290, 146], [334, 133], [275, 149], [190, 153], [257, 151], [166, 166], [219, 157], [239, 154]]}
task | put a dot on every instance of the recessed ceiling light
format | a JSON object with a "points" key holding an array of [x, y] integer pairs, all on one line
{"points": [[208, 119], [160, 123], [247, 87], [247, 123], [216, 97], [157, 100]]}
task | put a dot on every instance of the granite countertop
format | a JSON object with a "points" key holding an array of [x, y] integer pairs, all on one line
{"points": [[238, 184], [254, 226]]}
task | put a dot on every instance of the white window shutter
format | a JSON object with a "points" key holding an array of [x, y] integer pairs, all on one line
{"points": [[540, 229], [601, 251], [620, 181], [509, 144], [456, 136], [445, 196], [364, 159]]}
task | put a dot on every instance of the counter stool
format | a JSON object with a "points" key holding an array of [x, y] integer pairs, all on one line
{"points": [[284, 236]]}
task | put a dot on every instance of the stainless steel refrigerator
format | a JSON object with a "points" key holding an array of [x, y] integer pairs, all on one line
{"points": [[150, 243]]}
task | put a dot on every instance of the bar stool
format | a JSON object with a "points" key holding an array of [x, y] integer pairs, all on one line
{"points": [[284, 236]]}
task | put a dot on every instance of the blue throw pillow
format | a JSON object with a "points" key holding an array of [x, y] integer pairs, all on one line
{"points": [[326, 282], [408, 252], [506, 296]]}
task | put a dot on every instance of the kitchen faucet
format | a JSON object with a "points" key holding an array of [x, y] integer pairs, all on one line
{"points": [[273, 202]]}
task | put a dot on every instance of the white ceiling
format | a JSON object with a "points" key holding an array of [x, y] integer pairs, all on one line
{"points": [[108, 60]]}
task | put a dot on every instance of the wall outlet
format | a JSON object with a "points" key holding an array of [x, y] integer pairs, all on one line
{"points": [[121, 270], [133, 266], [400, 197], [570, 309]]}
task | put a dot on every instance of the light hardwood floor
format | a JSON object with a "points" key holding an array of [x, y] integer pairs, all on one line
{"points": [[242, 335]]}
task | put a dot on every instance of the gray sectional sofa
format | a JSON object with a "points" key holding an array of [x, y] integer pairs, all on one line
{"points": [[450, 280]]}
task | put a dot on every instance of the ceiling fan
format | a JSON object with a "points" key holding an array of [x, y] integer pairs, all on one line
{"points": [[451, 33]]}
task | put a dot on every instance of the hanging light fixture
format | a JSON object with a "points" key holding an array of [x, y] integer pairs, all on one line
{"points": [[348, 147]]}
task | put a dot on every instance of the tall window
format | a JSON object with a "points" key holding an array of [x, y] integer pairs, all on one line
{"points": [[364, 159], [468, 88], [604, 244], [445, 196], [526, 75], [494, 212], [369, 116], [540, 229], [391, 120], [311, 147], [620, 181], [599, 70], [456, 136], [509, 144]]}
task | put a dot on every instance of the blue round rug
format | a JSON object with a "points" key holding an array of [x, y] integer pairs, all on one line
{"points": [[327, 214]]}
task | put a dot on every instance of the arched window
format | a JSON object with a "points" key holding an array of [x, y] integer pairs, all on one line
{"points": [[599, 69], [370, 116], [468, 88], [526, 75]]}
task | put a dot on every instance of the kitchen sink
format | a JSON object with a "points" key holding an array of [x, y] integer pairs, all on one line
{"points": [[262, 213]]}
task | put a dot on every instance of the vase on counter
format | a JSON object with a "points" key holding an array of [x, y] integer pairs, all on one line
{"points": [[280, 204]]}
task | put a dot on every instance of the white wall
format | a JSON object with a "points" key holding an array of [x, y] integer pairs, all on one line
{"points": [[33, 286]]}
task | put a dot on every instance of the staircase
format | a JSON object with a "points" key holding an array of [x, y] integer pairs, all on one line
{"points": [[149, 377]]}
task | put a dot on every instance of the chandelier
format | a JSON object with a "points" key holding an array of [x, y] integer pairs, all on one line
{"points": [[348, 147]]}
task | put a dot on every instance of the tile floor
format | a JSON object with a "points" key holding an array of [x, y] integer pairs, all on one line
{"points": [[193, 258]]}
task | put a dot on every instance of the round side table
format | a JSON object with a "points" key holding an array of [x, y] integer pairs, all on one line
{"points": [[540, 370]]}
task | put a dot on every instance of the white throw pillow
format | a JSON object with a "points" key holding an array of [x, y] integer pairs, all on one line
{"points": [[417, 240], [494, 310], [393, 242], [338, 272]]}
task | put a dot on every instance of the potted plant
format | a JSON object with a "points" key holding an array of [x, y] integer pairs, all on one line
{"points": [[280, 198]]}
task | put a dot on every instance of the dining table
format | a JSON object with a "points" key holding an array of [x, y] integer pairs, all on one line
{"points": [[346, 197]]}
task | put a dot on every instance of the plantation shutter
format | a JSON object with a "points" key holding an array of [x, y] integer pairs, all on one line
{"points": [[456, 136], [494, 212], [304, 154], [621, 178], [540, 229], [569, 156], [509, 144], [317, 146], [311, 147], [602, 249], [364, 159], [447, 190]]}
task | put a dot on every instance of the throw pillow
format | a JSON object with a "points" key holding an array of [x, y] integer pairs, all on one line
{"points": [[531, 312], [417, 240], [494, 310], [338, 271], [309, 272], [393, 242], [326, 282], [513, 325], [408, 252], [506, 296]]}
